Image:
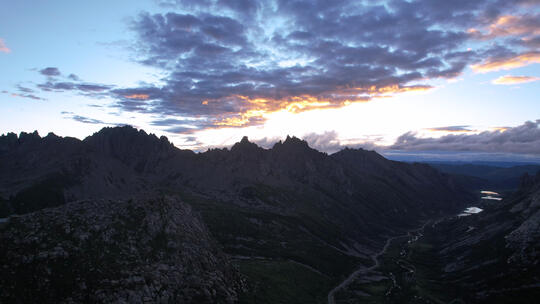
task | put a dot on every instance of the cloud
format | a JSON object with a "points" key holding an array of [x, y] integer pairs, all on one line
{"points": [[507, 63], [73, 84], [501, 144], [328, 142], [22, 89], [87, 120], [58, 86], [530, 42], [459, 156], [29, 96], [50, 71], [509, 79], [526, 26], [74, 77], [452, 129], [523, 139], [231, 63], [236, 61], [137, 96], [24, 93], [3, 47]]}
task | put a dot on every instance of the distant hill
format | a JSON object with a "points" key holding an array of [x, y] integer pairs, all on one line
{"points": [[494, 177]]}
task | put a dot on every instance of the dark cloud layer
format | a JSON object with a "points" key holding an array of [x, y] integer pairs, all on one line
{"points": [[224, 55], [524, 139], [229, 62], [50, 71]]}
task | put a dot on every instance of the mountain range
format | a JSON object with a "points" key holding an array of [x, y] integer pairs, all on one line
{"points": [[124, 216]]}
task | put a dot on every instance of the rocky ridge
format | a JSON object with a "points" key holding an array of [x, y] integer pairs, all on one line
{"points": [[134, 251]]}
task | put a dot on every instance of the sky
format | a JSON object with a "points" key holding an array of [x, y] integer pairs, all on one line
{"points": [[446, 78]]}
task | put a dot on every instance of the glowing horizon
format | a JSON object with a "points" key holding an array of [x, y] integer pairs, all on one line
{"points": [[206, 73]]}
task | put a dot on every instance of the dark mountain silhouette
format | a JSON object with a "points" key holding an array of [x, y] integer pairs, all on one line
{"points": [[289, 209]]}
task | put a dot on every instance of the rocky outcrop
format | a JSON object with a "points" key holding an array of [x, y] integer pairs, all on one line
{"points": [[525, 239], [153, 250]]}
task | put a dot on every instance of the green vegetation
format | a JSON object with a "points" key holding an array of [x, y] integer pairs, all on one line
{"points": [[46, 193], [283, 282], [279, 238], [250, 232], [421, 285]]}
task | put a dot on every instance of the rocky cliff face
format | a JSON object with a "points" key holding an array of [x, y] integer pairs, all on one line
{"points": [[524, 240], [136, 251]]}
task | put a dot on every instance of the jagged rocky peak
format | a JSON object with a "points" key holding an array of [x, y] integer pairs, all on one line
{"points": [[127, 139], [295, 141], [293, 144], [29, 136], [118, 132], [245, 146], [8, 141], [51, 135], [359, 156], [11, 140]]}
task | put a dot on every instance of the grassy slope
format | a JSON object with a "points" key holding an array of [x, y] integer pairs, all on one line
{"points": [[275, 242]]}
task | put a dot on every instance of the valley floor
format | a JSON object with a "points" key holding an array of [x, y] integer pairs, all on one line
{"points": [[412, 235]]}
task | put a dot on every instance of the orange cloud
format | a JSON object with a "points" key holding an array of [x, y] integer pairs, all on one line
{"points": [[137, 96], [242, 119], [3, 47], [499, 129], [256, 109], [507, 63], [508, 79], [508, 25], [392, 89]]}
